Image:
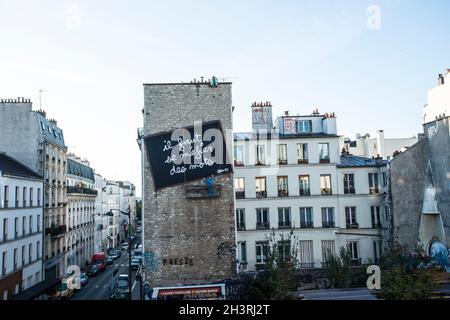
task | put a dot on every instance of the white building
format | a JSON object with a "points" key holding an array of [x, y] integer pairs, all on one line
{"points": [[293, 177], [101, 220], [364, 146], [438, 100], [81, 195], [21, 221]]}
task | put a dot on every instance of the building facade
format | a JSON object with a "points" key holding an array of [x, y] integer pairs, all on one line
{"points": [[188, 204], [21, 233], [81, 196], [38, 142], [101, 220], [294, 178]]}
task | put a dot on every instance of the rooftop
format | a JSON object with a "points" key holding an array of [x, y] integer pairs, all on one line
{"points": [[276, 135], [355, 161], [10, 166]]}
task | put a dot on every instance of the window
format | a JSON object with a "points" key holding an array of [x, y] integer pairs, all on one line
{"points": [[238, 155], [282, 154], [304, 185], [239, 188], [373, 183], [17, 197], [23, 255], [387, 213], [15, 259], [240, 219], [324, 152], [31, 197], [377, 250], [282, 186], [306, 254], [4, 263], [262, 252], [304, 126], [328, 249], [5, 229], [39, 197], [284, 250], [325, 184], [38, 250], [30, 224], [38, 223], [261, 187], [306, 218], [242, 254], [353, 248], [16, 228], [376, 217], [302, 153], [260, 155], [30, 252], [262, 218], [24, 197], [5, 197], [328, 218], [42, 125], [284, 218], [350, 217], [349, 183], [384, 176], [24, 224]]}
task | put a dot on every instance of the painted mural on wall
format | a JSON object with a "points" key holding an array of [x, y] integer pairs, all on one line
{"points": [[187, 154]]}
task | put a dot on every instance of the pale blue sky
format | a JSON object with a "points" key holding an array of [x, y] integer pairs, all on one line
{"points": [[298, 54]]}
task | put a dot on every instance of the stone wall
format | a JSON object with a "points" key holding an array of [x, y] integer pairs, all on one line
{"points": [[187, 240]]}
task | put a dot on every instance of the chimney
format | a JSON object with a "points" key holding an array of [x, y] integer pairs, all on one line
{"points": [[53, 121], [262, 116], [286, 113], [440, 79], [380, 143]]}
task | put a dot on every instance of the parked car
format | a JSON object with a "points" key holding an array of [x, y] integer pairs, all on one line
{"points": [[135, 263], [93, 271], [125, 246], [114, 255], [83, 279], [120, 290], [122, 276], [109, 260]]}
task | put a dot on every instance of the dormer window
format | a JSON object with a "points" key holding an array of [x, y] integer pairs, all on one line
{"points": [[42, 125], [50, 129], [304, 126]]}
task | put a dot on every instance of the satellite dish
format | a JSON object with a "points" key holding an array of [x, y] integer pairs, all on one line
{"points": [[358, 136]]}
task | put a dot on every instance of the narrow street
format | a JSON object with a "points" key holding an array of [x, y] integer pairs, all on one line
{"points": [[98, 287]]}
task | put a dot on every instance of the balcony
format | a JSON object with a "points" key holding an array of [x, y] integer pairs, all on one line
{"points": [[352, 226], [327, 224], [282, 162], [349, 190], [306, 224], [302, 161], [202, 191], [261, 194], [260, 163], [326, 191], [377, 225], [81, 190], [283, 193], [240, 226], [238, 163], [373, 190], [305, 192], [325, 160], [262, 226], [240, 194], [56, 232], [284, 225]]}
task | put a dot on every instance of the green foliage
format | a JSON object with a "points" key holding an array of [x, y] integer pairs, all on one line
{"points": [[279, 275], [338, 268]]}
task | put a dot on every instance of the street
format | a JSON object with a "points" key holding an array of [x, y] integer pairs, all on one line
{"points": [[338, 294], [98, 287]]}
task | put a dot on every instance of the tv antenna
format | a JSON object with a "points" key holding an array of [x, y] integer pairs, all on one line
{"points": [[40, 98]]}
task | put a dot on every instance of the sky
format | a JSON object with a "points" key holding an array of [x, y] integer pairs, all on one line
{"points": [[370, 62]]}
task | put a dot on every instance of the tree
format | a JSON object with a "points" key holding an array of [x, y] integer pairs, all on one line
{"points": [[279, 276], [338, 268]]}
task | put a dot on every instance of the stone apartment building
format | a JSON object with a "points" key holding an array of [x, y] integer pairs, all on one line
{"points": [[188, 205], [290, 175], [81, 195], [38, 142]]}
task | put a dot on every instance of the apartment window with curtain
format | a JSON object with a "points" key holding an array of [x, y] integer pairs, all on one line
{"points": [[240, 219], [262, 218], [4, 262], [23, 255], [328, 250], [350, 218], [302, 153], [304, 185], [325, 185], [353, 248], [373, 183], [24, 225], [238, 155], [38, 250], [376, 217], [30, 252], [38, 197], [30, 224], [38, 223], [24, 197], [328, 218], [31, 197], [324, 153], [282, 154], [6, 197], [15, 259], [16, 228], [282, 186], [239, 188], [5, 229], [261, 191], [262, 253], [306, 217], [16, 196], [284, 218], [349, 183], [260, 155], [306, 254]]}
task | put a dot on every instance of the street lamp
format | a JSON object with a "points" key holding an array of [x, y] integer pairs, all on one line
{"points": [[111, 214]]}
